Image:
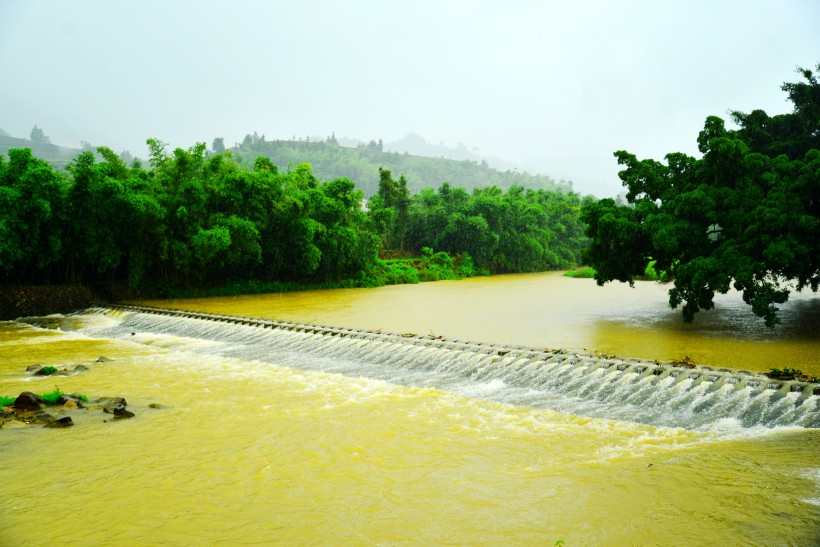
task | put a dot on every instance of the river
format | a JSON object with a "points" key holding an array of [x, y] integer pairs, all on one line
{"points": [[265, 437]]}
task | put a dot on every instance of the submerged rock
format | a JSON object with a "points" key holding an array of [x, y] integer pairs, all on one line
{"points": [[65, 421], [27, 410], [34, 417], [41, 370], [121, 414], [110, 404]]}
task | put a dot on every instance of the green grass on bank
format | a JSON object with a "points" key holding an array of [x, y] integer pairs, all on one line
{"points": [[581, 273], [650, 274], [430, 266], [50, 398]]}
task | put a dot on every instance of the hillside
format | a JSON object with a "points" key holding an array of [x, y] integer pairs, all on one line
{"points": [[329, 160], [58, 156]]}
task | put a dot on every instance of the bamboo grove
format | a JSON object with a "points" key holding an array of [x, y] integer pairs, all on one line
{"points": [[197, 219]]}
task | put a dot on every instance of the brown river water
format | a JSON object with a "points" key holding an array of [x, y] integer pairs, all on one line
{"points": [[267, 437]]}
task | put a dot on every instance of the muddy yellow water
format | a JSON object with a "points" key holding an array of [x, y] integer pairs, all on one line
{"points": [[549, 310], [248, 452]]}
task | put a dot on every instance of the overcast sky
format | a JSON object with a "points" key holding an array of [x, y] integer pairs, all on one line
{"points": [[553, 85]]}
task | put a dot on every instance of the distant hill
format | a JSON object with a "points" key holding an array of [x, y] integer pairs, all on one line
{"points": [[416, 145], [330, 160], [58, 156]]}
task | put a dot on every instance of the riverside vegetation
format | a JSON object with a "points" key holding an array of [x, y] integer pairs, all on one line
{"points": [[744, 215], [192, 220]]}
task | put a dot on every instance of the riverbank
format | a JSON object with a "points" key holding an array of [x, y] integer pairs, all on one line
{"points": [[34, 300], [30, 300]]}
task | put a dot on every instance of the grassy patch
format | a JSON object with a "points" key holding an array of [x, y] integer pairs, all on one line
{"points": [[49, 398], [649, 274], [582, 273]]}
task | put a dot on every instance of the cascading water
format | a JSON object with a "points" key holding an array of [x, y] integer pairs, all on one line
{"points": [[632, 390]]}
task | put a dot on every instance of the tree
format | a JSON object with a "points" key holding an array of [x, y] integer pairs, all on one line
{"points": [[746, 214], [32, 198], [219, 145], [38, 136]]}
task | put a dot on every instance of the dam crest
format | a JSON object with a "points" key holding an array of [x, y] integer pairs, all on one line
{"points": [[651, 392]]}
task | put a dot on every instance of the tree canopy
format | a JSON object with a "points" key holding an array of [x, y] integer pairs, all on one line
{"points": [[193, 219], [745, 215]]}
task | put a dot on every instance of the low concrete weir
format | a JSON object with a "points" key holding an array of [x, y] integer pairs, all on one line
{"points": [[662, 394]]}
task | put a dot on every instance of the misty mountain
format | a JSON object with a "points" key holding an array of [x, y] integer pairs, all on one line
{"points": [[58, 156], [425, 165], [330, 160], [416, 145]]}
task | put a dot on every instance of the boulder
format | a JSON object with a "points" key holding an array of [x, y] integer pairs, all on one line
{"points": [[29, 401], [34, 369]]}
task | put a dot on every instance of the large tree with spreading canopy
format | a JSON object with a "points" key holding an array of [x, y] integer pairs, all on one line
{"points": [[746, 214]]}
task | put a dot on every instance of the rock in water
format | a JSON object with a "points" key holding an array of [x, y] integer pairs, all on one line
{"points": [[65, 421], [29, 401], [110, 404], [68, 400], [121, 414]]}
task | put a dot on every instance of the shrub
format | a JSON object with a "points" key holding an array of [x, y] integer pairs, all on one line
{"points": [[585, 273]]}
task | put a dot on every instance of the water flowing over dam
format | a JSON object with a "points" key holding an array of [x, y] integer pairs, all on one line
{"points": [[658, 394]]}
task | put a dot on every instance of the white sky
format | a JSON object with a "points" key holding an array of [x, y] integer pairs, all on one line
{"points": [[556, 86]]}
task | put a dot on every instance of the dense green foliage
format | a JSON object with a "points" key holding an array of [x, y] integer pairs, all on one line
{"points": [[330, 160], [515, 231], [746, 214], [192, 220]]}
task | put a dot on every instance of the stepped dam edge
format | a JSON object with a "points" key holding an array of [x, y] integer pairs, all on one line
{"points": [[602, 386]]}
